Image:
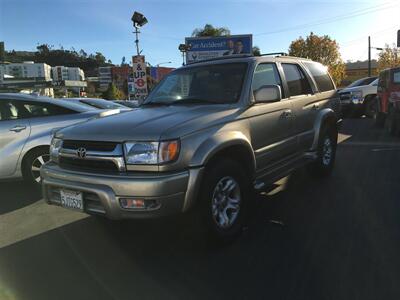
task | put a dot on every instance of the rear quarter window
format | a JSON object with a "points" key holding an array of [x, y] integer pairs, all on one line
{"points": [[321, 76], [396, 77]]}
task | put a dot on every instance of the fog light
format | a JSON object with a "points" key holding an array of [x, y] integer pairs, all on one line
{"points": [[131, 203]]}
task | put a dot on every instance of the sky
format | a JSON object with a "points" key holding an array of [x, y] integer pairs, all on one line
{"points": [[105, 25]]}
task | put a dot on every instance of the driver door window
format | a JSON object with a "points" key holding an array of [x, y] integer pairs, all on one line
{"points": [[265, 74]]}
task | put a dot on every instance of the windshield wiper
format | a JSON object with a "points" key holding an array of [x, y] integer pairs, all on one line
{"points": [[156, 103]]}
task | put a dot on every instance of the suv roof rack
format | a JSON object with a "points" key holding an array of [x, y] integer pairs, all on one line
{"points": [[221, 58], [275, 54]]}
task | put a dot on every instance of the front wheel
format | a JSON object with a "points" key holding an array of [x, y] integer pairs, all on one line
{"points": [[32, 164], [224, 199], [326, 152], [371, 107]]}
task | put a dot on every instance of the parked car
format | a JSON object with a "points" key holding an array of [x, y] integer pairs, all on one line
{"points": [[26, 126], [99, 103], [359, 98], [388, 102], [128, 103], [205, 137]]}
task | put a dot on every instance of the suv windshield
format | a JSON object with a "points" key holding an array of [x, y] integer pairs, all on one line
{"points": [[362, 81], [216, 83]]}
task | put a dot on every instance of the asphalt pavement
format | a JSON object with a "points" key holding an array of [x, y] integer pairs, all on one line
{"points": [[308, 239]]}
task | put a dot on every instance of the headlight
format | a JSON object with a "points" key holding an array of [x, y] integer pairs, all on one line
{"points": [[356, 96], [55, 147], [151, 153]]}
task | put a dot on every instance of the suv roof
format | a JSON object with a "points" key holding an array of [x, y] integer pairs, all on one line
{"points": [[276, 56]]}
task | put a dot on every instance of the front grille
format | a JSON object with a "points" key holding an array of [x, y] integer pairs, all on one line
{"points": [[345, 96], [77, 164], [89, 145]]}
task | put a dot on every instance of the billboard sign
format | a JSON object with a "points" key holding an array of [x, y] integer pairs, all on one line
{"points": [[139, 76], [202, 48]]}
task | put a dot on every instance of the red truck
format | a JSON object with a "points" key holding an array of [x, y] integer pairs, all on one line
{"points": [[388, 101]]}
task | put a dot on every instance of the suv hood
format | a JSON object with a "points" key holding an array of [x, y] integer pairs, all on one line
{"points": [[151, 123], [363, 88]]}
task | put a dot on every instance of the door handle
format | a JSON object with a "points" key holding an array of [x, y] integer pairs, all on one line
{"points": [[286, 113], [315, 106], [18, 128]]}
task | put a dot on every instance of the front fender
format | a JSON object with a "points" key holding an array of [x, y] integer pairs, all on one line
{"points": [[219, 142], [324, 115]]}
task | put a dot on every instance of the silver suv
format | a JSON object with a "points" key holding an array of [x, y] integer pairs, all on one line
{"points": [[205, 138]]}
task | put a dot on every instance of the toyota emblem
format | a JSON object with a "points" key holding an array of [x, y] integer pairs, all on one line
{"points": [[81, 152]]}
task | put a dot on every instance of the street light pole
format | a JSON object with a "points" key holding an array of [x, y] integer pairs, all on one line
{"points": [[369, 56], [137, 38]]}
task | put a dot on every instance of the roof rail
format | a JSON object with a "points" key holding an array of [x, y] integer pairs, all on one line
{"points": [[275, 54], [221, 58]]}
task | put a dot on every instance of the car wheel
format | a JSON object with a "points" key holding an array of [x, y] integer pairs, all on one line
{"points": [[224, 199], [391, 123], [326, 153], [371, 107], [32, 163]]}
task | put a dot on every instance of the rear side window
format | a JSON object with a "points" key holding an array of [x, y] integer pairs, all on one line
{"points": [[265, 74], [396, 76], [296, 80], [10, 111], [321, 76], [45, 109]]}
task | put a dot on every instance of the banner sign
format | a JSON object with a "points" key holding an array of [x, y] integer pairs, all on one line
{"points": [[139, 75], [202, 48]]}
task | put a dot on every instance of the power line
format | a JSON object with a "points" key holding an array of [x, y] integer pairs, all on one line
{"points": [[353, 14]]}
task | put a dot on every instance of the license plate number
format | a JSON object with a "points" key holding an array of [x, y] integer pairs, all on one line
{"points": [[71, 199]]}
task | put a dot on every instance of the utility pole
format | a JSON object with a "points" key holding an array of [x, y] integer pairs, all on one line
{"points": [[137, 39], [369, 56]]}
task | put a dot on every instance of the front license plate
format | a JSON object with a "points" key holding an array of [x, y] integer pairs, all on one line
{"points": [[71, 199]]}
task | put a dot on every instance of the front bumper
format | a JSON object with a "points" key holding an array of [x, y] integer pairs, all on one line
{"points": [[174, 192]]}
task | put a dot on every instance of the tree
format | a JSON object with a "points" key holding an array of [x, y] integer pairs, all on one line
{"points": [[112, 93], [100, 59], [44, 48], [256, 51], [210, 30], [388, 58], [322, 49]]}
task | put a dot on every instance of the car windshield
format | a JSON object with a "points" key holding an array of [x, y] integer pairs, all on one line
{"points": [[362, 81], [102, 104], [214, 83]]}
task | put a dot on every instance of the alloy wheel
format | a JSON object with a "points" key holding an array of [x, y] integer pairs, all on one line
{"points": [[327, 151], [36, 164], [226, 202]]}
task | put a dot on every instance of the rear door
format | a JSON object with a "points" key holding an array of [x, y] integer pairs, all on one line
{"points": [[14, 132], [305, 103]]}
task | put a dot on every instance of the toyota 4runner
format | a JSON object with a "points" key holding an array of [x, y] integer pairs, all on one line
{"points": [[207, 136]]}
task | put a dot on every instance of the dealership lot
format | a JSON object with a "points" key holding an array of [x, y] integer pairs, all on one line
{"points": [[332, 239]]}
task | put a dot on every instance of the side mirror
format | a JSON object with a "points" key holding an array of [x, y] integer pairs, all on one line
{"points": [[268, 93]]}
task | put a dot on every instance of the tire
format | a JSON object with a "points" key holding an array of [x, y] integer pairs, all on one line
{"points": [[225, 185], [371, 107], [32, 163], [326, 153], [391, 123]]}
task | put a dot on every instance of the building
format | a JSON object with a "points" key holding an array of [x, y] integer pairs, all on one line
{"points": [[359, 69], [105, 77], [158, 73], [120, 76], [61, 73], [29, 69]]}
